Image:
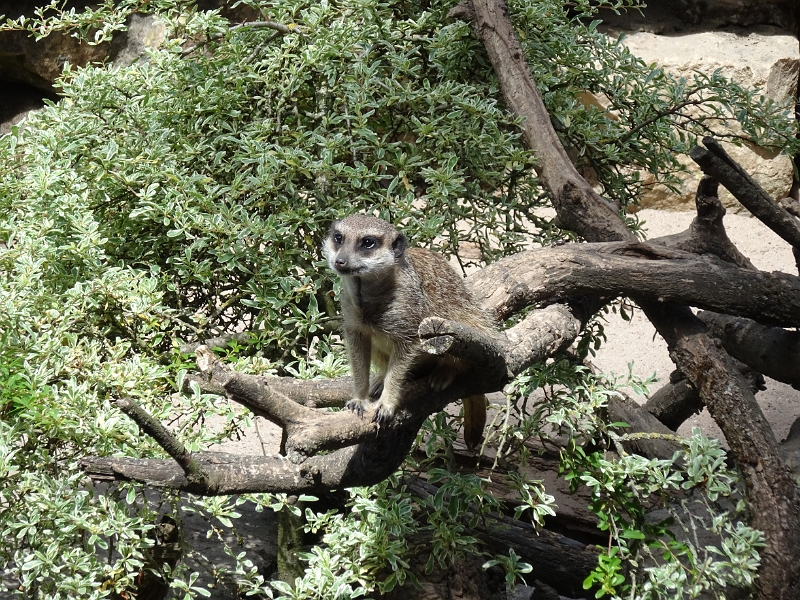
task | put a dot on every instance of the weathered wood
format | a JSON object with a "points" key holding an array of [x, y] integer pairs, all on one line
{"points": [[640, 420], [579, 207], [674, 402], [706, 234], [648, 272], [715, 161], [773, 351], [772, 493], [678, 400]]}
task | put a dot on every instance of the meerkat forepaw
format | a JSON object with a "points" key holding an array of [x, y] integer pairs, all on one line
{"points": [[357, 405], [383, 413]]}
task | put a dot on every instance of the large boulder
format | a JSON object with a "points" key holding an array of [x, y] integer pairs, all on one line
{"points": [[763, 57]]}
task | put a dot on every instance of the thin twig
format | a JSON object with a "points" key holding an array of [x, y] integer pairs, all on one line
{"points": [[279, 27], [152, 427]]}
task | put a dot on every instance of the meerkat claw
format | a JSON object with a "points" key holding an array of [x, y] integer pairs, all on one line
{"points": [[383, 413], [357, 405]]}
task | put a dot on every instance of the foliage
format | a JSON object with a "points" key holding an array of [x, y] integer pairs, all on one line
{"points": [[185, 196], [652, 553], [665, 556]]}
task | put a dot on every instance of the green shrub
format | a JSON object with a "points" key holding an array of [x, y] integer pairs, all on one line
{"points": [[186, 196]]}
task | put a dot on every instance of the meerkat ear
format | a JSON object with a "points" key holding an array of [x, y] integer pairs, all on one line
{"points": [[399, 245]]}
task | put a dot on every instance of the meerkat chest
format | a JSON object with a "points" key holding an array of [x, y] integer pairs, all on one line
{"points": [[381, 310]]}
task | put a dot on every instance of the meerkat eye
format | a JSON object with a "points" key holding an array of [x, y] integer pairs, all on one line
{"points": [[369, 243], [337, 238]]}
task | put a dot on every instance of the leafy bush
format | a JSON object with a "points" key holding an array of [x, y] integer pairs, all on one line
{"points": [[186, 196]]}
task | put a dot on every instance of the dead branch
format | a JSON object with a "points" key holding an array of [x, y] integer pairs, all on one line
{"points": [[678, 400], [529, 277], [706, 234], [152, 427], [772, 351], [645, 271], [579, 207], [715, 162], [674, 402], [773, 496], [362, 454]]}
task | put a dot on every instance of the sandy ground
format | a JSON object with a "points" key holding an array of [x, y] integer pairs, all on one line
{"points": [[638, 342]]}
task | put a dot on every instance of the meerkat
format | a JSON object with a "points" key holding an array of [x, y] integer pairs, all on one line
{"points": [[387, 291]]}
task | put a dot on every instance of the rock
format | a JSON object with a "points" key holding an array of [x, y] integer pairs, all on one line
{"points": [[764, 57], [143, 32], [39, 64], [29, 68]]}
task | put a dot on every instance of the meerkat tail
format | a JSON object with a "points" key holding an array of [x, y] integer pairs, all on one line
{"points": [[474, 419]]}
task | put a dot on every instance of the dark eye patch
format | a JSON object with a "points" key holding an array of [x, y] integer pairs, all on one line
{"points": [[369, 243], [338, 238]]}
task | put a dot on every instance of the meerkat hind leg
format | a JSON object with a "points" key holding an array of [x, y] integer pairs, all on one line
{"points": [[381, 361], [445, 372], [376, 387]]}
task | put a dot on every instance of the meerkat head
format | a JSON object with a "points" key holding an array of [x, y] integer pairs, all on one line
{"points": [[362, 245]]}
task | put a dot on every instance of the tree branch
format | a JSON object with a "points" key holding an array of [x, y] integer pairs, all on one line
{"points": [[191, 468], [645, 271], [773, 496], [715, 161], [706, 234], [579, 207], [772, 351], [362, 453]]}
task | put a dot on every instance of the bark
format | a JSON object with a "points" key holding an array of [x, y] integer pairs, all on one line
{"points": [[579, 207], [673, 403], [771, 489], [706, 234], [664, 445], [772, 493], [645, 271], [714, 161], [678, 400], [772, 351]]}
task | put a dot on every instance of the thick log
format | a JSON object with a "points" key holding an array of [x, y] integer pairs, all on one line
{"points": [[559, 561], [772, 492], [648, 272], [674, 402], [773, 351]]}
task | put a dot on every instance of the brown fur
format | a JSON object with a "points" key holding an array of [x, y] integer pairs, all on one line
{"points": [[387, 291]]}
